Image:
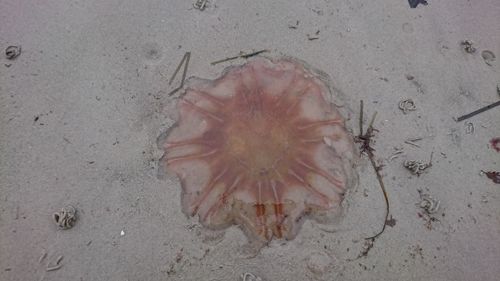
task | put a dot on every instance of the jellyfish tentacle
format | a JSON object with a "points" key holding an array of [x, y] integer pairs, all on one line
{"points": [[224, 196], [203, 111], [308, 186], [278, 209], [191, 156], [311, 140], [207, 190], [336, 182], [173, 144], [260, 211], [210, 97], [336, 121]]}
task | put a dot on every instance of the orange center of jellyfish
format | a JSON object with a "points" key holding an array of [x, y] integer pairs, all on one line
{"points": [[262, 156], [258, 143]]}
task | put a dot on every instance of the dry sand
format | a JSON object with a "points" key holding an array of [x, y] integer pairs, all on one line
{"points": [[83, 104]]}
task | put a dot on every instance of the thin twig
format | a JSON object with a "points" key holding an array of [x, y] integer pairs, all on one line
{"points": [[467, 116], [412, 143], [56, 267], [44, 254], [188, 54], [244, 56], [371, 122], [57, 264], [185, 61], [254, 54], [178, 68], [361, 117]]}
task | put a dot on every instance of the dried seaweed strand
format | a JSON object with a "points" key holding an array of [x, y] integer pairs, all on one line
{"points": [[369, 151], [386, 198]]}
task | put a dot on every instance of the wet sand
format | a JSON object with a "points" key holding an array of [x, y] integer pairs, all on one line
{"points": [[84, 103]]}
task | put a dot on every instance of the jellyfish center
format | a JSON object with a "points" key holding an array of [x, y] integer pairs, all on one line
{"points": [[259, 144]]}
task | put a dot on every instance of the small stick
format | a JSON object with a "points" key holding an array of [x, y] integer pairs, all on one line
{"points": [[42, 257], [186, 58], [175, 90], [412, 143], [395, 154], [482, 109], [372, 121], [178, 68], [361, 117], [57, 266], [254, 54], [59, 259], [246, 56], [415, 139]]}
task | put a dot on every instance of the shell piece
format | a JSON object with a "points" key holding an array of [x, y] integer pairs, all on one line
{"points": [[260, 147]]}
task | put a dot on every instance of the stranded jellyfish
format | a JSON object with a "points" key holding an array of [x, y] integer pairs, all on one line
{"points": [[260, 147]]}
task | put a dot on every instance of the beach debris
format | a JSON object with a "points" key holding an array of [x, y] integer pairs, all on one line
{"points": [[313, 37], [468, 46], [200, 4], [414, 3], [391, 222], [66, 217], [397, 152], [42, 257], [417, 167], [430, 206], [247, 276], [495, 143], [407, 106], [469, 128], [488, 57], [366, 141], [185, 62], [412, 141], [493, 175], [241, 55], [56, 265], [12, 52], [482, 109], [367, 246], [122, 233], [427, 203]]}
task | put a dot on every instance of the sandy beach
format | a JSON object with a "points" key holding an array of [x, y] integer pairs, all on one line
{"points": [[86, 97]]}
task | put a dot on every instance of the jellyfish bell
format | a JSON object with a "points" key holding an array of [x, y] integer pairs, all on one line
{"points": [[260, 147]]}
